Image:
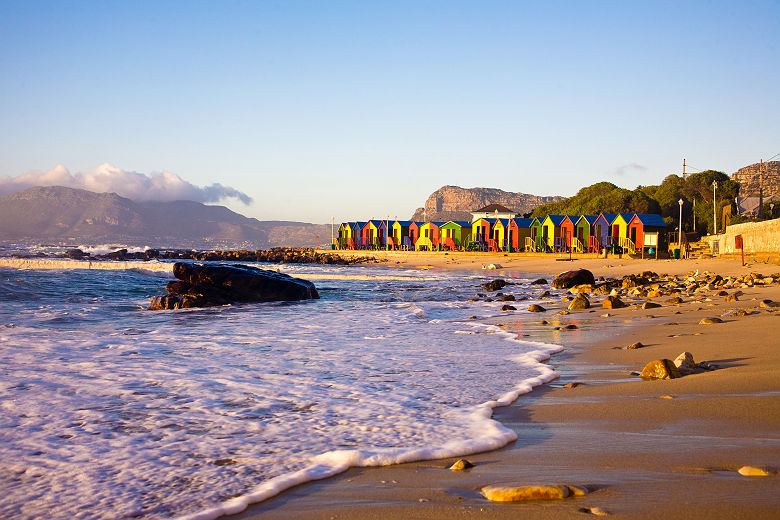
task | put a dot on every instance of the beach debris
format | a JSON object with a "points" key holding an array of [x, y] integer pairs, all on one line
{"points": [[635, 346], [710, 321], [536, 308], [539, 281], [508, 308], [525, 493], [507, 298], [579, 303], [650, 305], [613, 302], [461, 465], [569, 279], [495, 285], [660, 369], [685, 363], [212, 285], [594, 511], [754, 471]]}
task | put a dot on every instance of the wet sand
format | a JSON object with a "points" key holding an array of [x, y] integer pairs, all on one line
{"points": [[662, 448]]}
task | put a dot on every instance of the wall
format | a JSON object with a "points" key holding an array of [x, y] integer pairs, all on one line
{"points": [[757, 237]]}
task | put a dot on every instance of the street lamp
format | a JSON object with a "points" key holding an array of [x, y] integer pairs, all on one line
{"points": [[714, 209], [679, 231]]}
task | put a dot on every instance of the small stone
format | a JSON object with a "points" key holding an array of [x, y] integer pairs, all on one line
{"points": [[710, 321], [740, 313], [660, 369], [524, 493], [634, 346], [666, 397], [606, 315], [753, 471], [536, 308], [650, 305], [545, 294], [598, 511], [461, 465], [568, 327], [768, 304], [508, 308]]}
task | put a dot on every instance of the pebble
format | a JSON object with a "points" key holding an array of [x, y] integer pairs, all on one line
{"points": [[753, 471], [462, 465], [524, 493]]}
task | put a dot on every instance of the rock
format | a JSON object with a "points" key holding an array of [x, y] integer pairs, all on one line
{"points": [[613, 302], [570, 279], [492, 266], [572, 385], [723, 293], [495, 285], [562, 313], [660, 369], [710, 321], [568, 327], [524, 493], [732, 298], [650, 305], [594, 511], [578, 491], [212, 285], [508, 308], [536, 308], [579, 303], [753, 471], [741, 313], [461, 465], [507, 298], [768, 304], [602, 289], [685, 363], [539, 281], [545, 294], [635, 346], [75, 254]]}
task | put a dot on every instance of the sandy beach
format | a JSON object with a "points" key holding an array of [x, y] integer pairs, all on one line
{"points": [[642, 448]]}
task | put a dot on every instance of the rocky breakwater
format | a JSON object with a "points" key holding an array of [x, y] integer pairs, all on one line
{"points": [[213, 285]]}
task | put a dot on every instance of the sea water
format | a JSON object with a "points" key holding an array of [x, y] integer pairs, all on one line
{"points": [[110, 410]]}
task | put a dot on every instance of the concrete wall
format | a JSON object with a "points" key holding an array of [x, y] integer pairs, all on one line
{"points": [[757, 237]]}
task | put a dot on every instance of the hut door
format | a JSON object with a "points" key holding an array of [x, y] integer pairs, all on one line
{"points": [[580, 234], [633, 235]]}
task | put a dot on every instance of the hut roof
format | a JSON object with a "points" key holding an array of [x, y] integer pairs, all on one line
{"points": [[522, 222], [490, 221], [461, 223], [556, 219], [651, 219], [627, 216], [589, 218], [493, 208], [610, 217], [403, 222]]}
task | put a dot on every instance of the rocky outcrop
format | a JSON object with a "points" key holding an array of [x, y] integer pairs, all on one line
{"points": [[213, 285], [456, 203], [750, 180]]}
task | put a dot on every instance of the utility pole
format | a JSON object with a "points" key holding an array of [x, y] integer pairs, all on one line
{"points": [[760, 187], [714, 209], [683, 169], [694, 214]]}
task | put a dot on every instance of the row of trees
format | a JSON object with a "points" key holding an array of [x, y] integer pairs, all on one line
{"points": [[662, 199]]}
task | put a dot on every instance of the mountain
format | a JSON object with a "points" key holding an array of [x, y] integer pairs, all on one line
{"points": [[750, 180], [456, 203], [56, 214]]}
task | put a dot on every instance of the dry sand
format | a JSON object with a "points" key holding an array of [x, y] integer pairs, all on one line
{"points": [[665, 448]]}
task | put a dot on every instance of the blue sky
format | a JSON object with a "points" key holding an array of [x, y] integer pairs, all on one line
{"points": [[362, 109]]}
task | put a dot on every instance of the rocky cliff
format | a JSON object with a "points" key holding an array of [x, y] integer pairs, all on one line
{"points": [[456, 203], [56, 214], [749, 179]]}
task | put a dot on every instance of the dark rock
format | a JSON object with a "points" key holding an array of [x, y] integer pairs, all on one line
{"points": [[675, 300], [508, 308], [539, 281], [613, 302], [75, 254], [650, 305], [579, 303], [634, 346], [571, 279], [536, 308], [212, 285], [494, 285], [507, 298]]}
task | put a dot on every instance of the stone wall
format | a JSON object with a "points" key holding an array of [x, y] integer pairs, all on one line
{"points": [[757, 237]]}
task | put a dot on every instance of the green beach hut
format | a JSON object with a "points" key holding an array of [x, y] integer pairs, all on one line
{"points": [[536, 242], [455, 234], [585, 232]]}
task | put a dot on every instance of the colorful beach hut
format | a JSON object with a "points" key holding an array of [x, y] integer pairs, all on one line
{"points": [[399, 230], [414, 234], [603, 228], [537, 242], [345, 235], [455, 234], [620, 231], [498, 233], [357, 234], [647, 230], [551, 231], [585, 233], [429, 236], [518, 230], [481, 232]]}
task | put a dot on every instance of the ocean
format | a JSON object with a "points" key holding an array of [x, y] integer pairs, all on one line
{"points": [[113, 411]]}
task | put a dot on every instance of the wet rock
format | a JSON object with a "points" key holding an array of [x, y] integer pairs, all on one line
{"points": [[562, 313], [650, 305], [660, 369], [461, 465], [597, 511], [579, 303], [213, 285], [539, 281], [613, 302], [508, 308], [685, 363], [494, 285], [75, 254], [525, 493], [536, 308], [507, 298], [754, 471], [635, 346], [602, 289], [572, 385], [710, 321], [570, 279], [570, 326], [732, 298]]}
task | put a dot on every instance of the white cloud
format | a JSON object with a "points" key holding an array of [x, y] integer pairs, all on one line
{"points": [[628, 169], [106, 178]]}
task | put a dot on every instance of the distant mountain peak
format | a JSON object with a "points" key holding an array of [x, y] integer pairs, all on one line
{"points": [[456, 203]]}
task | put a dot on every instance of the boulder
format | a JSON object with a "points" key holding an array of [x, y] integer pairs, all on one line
{"points": [[579, 303], [613, 302], [570, 279], [536, 308], [494, 285], [660, 369], [525, 493], [213, 285]]}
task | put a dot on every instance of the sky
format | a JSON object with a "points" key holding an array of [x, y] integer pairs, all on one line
{"points": [[312, 111]]}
